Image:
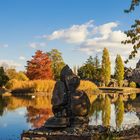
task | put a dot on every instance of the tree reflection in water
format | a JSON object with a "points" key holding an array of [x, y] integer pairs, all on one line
{"points": [[106, 111], [1, 106], [38, 109], [38, 116], [119, 107], [103, 107]]}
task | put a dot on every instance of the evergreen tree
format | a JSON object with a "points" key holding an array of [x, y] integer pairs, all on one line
{"points": [[90, 61], [91, 69], [3, 77], [119, 70], [96, 62], [106, 67], [87, 70], [97, 68]]}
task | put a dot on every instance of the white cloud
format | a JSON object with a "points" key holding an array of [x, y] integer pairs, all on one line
{"points": [[91, 39], [9, 64], [37, 44], [4, 45], [22, 58], [108, 36], [74, 34]]}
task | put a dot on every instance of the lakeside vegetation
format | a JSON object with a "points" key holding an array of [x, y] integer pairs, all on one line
{"points": [[44, 86], [44, 69]]}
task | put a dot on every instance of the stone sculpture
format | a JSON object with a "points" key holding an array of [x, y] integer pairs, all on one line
{"points": [[70, 106]]}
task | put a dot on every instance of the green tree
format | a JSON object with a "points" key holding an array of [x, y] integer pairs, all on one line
{"points": [[3, 77], [91, 69], [87, 70], [1, 106], [90, 61], [97, 74], [119, 70], [96, 62], [106, 67], [57, 62]]}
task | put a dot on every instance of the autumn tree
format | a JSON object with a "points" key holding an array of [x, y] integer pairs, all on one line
{"points": [[3, 77], [106, 67], [21, 76], [13, 74], [134, 33], [39, 67], [57, 62], [119, 70]]}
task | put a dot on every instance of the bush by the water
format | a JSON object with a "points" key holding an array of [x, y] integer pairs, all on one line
{"points": [[133, 85], [87, 86], [31, 86], [44, 86]]}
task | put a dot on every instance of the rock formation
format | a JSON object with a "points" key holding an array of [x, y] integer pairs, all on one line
{"points": [[70, 106]]}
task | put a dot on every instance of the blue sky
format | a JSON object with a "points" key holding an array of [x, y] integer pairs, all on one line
{"points": [[77, 28]]}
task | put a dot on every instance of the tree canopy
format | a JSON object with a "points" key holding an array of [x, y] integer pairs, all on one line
{"points": [[134, 33], [119, 70], [91, 69], [3, 77], [106, 67], [39, 67], [57, 62]]}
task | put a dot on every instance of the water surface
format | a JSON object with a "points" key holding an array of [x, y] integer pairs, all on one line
{"points": [[18, 113]]}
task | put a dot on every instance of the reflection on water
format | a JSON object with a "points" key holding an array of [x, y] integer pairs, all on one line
{"points": [[18, 113], [117, 111], [37, 117], [119, 107]]}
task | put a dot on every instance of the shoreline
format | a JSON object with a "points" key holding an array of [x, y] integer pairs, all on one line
{"points": [[92, 132]]}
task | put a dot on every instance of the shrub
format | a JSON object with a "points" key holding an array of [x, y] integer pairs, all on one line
{"points": [[132, 84], [44, 86], [31, 86], [87, 86]]}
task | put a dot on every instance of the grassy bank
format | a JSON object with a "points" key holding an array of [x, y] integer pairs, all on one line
{"points": [[44, 86]]}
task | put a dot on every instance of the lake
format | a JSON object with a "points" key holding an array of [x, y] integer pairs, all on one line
{"points": [[22, 113]]}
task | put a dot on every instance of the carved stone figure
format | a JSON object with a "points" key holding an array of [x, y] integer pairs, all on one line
{"points": [[70, 106]]}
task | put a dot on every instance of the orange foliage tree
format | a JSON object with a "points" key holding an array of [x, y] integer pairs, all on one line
{"points": [[39, 67]]}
